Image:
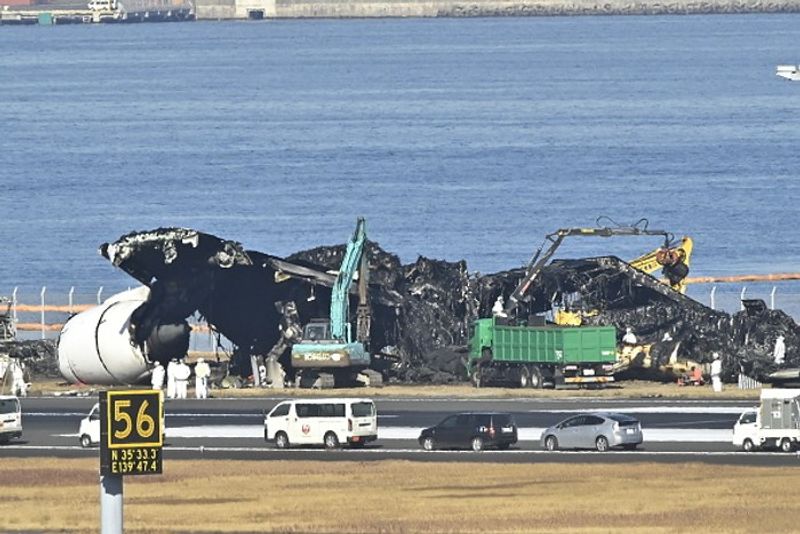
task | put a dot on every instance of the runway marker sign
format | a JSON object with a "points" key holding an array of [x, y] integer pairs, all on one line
{"points": [[131, 432]]}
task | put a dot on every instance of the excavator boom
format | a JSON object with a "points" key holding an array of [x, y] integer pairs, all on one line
{"points": [[640, 228], [340, 301]]}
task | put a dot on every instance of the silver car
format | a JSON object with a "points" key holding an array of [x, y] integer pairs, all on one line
{"points": [[599, 431]]}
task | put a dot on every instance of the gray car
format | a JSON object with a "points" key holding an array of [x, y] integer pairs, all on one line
{"points": [[599, 431]]}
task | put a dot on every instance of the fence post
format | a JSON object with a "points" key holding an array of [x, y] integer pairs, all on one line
{"points": [[772, 298], [713, 300], [71, 292], [100, 295], [741, 297], [14, 304], [44, 290]]}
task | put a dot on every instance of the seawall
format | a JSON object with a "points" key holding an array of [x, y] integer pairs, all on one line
{"points": [[240, 9]]}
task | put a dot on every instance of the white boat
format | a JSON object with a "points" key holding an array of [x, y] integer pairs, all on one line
{"points": [[790, 72]]}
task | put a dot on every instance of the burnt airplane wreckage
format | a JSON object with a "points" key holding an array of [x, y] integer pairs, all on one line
{"points": [[420, 312]]}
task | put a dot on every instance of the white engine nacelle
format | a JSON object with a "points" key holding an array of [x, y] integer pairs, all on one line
{"points": [[95, 346]]}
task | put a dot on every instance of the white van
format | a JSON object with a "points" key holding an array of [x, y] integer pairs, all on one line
{"points": [[328, 422], [10, 418], [89, 431]]}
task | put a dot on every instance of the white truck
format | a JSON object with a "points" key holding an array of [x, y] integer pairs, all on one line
{"points": [[776, 422], [10, 418]]}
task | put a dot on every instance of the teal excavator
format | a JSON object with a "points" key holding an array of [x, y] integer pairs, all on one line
{"points": [[328, 355]]}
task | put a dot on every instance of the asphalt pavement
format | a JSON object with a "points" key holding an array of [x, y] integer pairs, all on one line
{"points": [[674, 430]]}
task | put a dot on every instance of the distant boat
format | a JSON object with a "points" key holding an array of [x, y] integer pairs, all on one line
{"points": [[790, 72]]}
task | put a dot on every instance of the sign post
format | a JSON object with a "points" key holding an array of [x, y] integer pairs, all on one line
{"points": [[131, 438]]}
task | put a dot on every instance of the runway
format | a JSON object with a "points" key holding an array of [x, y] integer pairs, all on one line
{"points": [[674, 430]]}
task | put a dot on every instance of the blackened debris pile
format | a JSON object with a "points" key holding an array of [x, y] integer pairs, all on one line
{"points": [[39, 356], [421, 311]]}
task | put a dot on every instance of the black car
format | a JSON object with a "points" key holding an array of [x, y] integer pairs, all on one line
{"points": [[477, 431]]}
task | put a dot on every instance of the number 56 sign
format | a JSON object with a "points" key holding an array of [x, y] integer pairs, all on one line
{"points": [[131, 432]]}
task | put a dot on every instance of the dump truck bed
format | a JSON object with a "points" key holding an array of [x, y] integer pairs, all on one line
{"points": [[545, 344]]}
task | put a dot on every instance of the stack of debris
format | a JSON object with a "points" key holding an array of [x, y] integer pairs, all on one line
{"points": [[421, 312]]}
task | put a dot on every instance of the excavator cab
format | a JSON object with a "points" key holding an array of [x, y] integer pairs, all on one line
{"points": [[317, 330]]}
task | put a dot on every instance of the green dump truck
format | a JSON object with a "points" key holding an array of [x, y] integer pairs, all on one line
{"points": [[530, 356]]}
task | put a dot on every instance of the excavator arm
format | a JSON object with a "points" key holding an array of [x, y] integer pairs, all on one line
{"points": [[340, 301], [666, 253], [674, 263]]}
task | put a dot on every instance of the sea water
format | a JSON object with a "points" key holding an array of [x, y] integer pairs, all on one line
{"points": [[455, 138]]}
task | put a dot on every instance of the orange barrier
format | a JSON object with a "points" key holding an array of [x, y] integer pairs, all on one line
{"points": [[778, 277], [54, 308], [36, 327]]}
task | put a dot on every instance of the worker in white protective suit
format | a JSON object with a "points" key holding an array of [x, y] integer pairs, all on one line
{"points": [[202, 371], [182, 374], [629, 338], [498, 309], [716, 372], [18, 385], [173, 363], [157, 376], [779, 352]]}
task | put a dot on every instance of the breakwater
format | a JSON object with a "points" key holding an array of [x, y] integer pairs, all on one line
{"points": [[257, 9]]}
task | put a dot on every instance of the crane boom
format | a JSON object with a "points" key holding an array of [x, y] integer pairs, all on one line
{"points": [[340, 301], [540, 258]]}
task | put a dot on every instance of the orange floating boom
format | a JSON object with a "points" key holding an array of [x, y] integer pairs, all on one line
{"points": [[777, 277], [35, 327]]}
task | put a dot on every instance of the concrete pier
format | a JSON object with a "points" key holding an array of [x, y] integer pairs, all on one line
{"points": [[257, 9]]}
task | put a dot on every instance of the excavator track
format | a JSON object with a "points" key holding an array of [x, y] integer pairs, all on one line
{"points": [[371, 378]]}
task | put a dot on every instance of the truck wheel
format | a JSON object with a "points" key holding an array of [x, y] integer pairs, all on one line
{"points": [[331, 441], [281, 440], [476, 377], [86, 441], [477, 444], [428, 444], [748, 445], [536, 378], [787, 445], [551, 443], [524, 377], [601, 443]]}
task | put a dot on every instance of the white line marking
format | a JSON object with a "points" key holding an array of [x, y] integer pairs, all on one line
{"points": [[416, 451], [662, 409], [679, 435]]}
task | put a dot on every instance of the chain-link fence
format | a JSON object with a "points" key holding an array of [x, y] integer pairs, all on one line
{"points": [[728, 297], [41, 314]]}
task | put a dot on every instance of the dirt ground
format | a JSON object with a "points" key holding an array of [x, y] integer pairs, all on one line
{"points": [[628, 389], [395, 496]]}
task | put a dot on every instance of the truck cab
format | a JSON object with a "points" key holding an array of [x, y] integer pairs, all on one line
{"points": [[10, 418], [89, 431], [775, 424], [745, 431]]}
